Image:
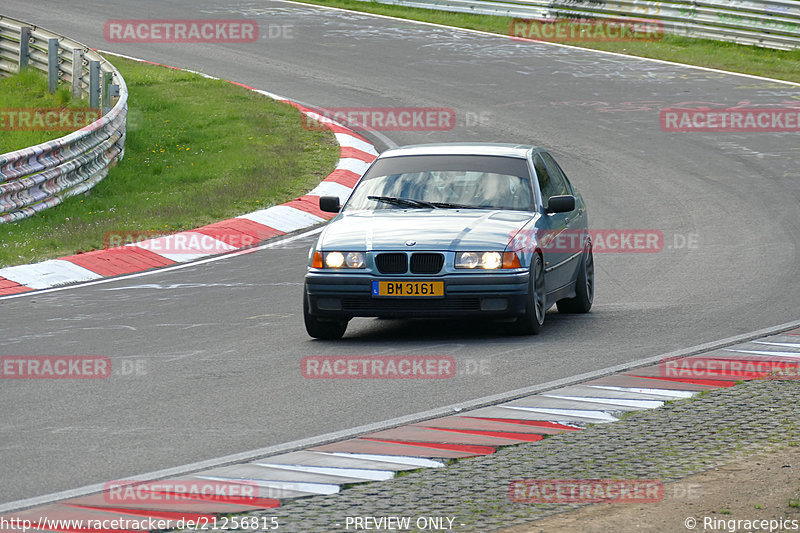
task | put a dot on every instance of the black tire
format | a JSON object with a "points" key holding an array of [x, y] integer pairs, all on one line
{"points": [[584, 288], [322, 329], [532, 321]]}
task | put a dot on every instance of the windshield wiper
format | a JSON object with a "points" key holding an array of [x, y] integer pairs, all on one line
{"points": [[402, 202], [448, 205]]}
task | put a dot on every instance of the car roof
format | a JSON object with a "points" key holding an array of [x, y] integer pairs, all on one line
{"points": [[463, 148]]}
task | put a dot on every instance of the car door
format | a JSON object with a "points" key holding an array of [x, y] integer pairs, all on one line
{"points": [[574, 234], [550, 227]]}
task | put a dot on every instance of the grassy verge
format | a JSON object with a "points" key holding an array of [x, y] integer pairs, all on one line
{"points": [[22, 93], [197, 151], [778, 64]]}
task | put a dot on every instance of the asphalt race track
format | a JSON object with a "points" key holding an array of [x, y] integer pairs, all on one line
{"points": [[209, 355]]}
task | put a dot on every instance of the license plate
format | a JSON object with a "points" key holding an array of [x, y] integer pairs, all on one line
{"points": [[408, 288]]}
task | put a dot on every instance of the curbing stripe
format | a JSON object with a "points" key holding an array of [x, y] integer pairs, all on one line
{"points": [[310, 205], [711, 383], [539, 425], [390, 459], [655, 392], [463, 423], [345, 177], [283, 218], [354, 141], [588, 415], [511, 436], [781, 344], [47, 274], [328, 460], [355, 153], [118, 260], [296, 486], [245, 231], [11, 287], [400, 449], [331, 188], [425, 435], [637, 404], [361, 473], [353, 165], [792, 355]]}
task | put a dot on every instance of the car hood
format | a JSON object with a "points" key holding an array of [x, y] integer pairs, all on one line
{"points": [[438, 229]]}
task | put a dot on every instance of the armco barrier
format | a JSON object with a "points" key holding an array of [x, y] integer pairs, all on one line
{"points": [[38, 177], [771, 24]]}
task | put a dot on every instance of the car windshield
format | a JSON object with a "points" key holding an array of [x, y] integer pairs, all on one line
{"points": [[444, 182]]}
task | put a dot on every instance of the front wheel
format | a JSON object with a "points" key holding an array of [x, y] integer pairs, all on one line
{"points": [[532, 321], [584, 288], [322, 329]]}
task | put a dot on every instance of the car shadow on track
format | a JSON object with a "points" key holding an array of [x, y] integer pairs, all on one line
{"points": [[374, 330]]}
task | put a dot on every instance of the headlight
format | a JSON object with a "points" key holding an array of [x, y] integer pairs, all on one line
{"points": [[339, 260], [334, 260], [354, 260], [487, 260]]}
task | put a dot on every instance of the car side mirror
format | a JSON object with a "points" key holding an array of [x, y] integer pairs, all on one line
{"points": [[329, 204], [561, 204]]}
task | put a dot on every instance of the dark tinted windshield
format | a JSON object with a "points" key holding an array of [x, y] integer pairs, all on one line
{"points": [[480, 182]]}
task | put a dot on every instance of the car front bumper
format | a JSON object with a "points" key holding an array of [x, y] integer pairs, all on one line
{"points": [[345, 295]]}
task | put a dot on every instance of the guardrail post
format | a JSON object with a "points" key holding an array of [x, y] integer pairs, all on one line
{"points": [[77, 72], [52, 64], [24, 46], [94, 84], [106, 94]]}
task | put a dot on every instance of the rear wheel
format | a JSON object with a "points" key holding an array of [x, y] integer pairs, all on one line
{"points": [[322, 329], [532, 321], [584, 288]]}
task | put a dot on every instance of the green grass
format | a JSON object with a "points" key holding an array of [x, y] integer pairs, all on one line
{"points": [[784, 65], [197, 151], [28, 90]]}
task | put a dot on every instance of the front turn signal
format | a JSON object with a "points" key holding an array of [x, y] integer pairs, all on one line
{"points": [[510, 260], [316, 262]]}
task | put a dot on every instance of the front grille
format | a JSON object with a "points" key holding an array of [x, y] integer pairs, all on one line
{"points": [[396, 304], [424, 263], [392, 263]]}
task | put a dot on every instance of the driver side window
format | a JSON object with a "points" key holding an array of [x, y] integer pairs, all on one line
{"points": [[557, 176], [546, 184]]}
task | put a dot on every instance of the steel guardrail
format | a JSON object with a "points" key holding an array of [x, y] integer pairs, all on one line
{"points": [[38, 177], [770, 24]]}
